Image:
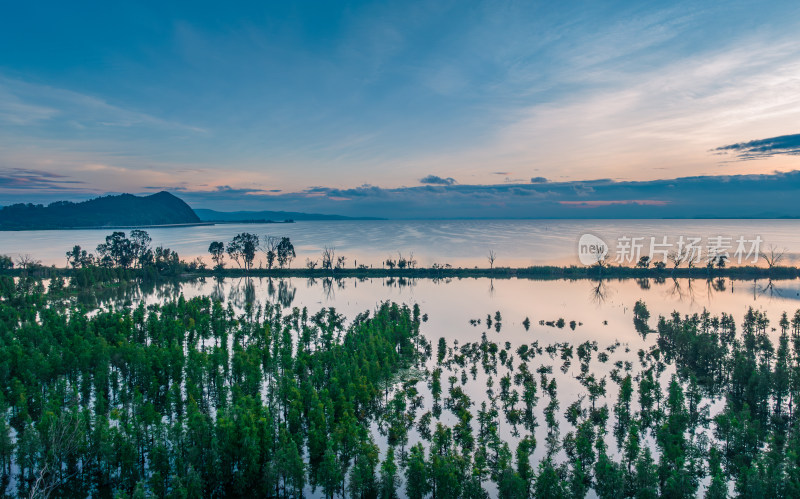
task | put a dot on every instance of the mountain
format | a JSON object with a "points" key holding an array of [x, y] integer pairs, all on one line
{"points": [[248, 216], [124, 210]]}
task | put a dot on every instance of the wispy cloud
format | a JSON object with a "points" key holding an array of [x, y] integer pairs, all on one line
{"points": [[764, 148], [36, 180], [631, 122], [25, 103]]}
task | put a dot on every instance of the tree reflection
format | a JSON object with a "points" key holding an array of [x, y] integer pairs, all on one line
{"points": [[327, 288], [218, 291], [242, 293], [599, 292], [677, 291], [400, 282], [770, 290], [286, 293]]}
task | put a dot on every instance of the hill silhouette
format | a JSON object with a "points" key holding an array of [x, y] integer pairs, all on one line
{"points": [[124, 210]]}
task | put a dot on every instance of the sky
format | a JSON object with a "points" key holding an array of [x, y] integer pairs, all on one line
{"points": [[397, 108]]}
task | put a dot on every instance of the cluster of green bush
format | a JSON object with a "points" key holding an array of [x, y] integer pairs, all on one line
{"points": [[187, 399]]}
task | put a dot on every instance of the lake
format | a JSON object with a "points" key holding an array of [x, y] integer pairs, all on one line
{"points": [[460, 243], [598, 313]]}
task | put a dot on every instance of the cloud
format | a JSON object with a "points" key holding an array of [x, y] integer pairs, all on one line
{"points": [[231, 190], [764, 148], [627, 122], [25, 103], [538, 180], [728, 196], [26, 179], [436, 180]]}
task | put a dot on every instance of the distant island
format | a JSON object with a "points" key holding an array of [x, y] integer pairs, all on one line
{"points": [[250, 216], [127, 210], [124, 210]]}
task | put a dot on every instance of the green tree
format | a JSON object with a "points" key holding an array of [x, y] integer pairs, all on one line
{"points": [[242, 250], [217, 250], [418, 483], [389, 483], [285, 252]]}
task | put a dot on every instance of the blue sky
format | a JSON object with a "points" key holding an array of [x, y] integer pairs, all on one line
{"points": [[260, 104]]}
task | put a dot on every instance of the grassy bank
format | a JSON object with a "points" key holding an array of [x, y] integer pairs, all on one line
{"points": [[534, 272]]}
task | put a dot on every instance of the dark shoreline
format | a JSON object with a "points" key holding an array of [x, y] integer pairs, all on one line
{"points": [[534, 273], [109, 227]]}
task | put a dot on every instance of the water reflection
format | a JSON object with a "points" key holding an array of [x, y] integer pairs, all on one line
{"points": [[218, 292], [599, 292], [286, 293], [531, 298], [681, 290], [778, 289], [243, 292], [457, 243]]}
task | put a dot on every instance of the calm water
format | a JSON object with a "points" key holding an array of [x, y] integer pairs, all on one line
{"points": [[604, 308], [461, 243]]}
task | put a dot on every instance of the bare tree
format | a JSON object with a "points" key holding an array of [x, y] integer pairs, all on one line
{"points": [[677, 258], [773, 256], [270, 249], [27, 261], [328, 257], [600, 258], [492, 256]]}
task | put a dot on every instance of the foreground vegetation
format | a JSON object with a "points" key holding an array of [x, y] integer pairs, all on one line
{"points": [[190, 399], [185, 399]]}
